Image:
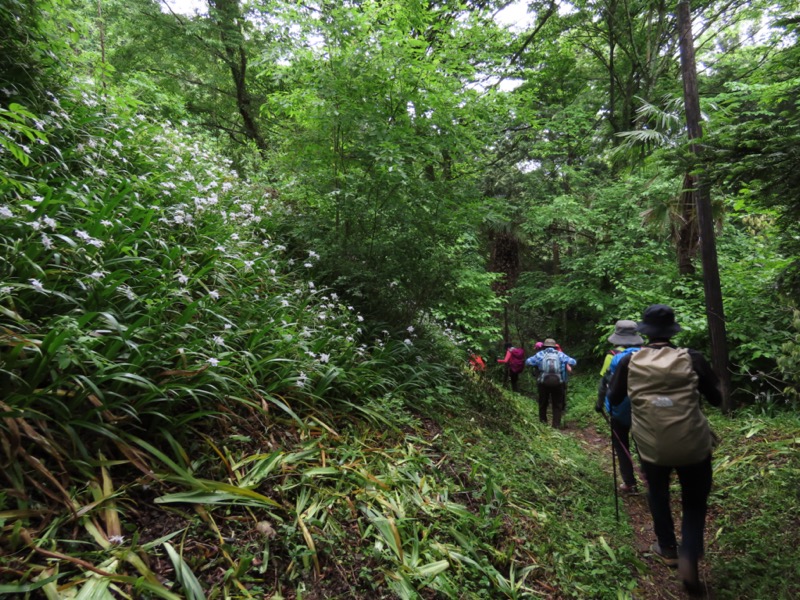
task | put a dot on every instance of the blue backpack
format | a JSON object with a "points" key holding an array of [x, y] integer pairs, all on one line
{"points": [[622, 411]]}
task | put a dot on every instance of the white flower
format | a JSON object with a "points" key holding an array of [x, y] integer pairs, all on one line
{"points": [[301, 380], [29, 208], [183, 279], [116, 539], [37, 198], [311, 285], [408, 342], [213, 362], [360, 319], [308, 265], [323, 358], [214, 294], [410, 329], [235, 236], [37, 285], [249, 264], [50, 222], [228, 326], [312, 254], [220, 248], [47, 242], [97, 275], [6, 289], [218, 340], [284, 303], [106, 223]]}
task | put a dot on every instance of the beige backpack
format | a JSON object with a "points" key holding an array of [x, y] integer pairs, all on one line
{"points": [[668, 426]]}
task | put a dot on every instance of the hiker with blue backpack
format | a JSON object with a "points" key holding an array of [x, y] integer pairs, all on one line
{"points": [[664, 383], [626, 341], [515, 362], [551, 365]]}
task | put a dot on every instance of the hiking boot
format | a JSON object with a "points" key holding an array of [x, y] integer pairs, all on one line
{"points": [[667, 555], [627, 489], [687, 569]]}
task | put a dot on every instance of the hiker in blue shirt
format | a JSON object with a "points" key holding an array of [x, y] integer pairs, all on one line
{"points": [[551, 382], [625, 340]]}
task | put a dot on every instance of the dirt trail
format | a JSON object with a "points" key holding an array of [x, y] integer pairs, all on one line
{"points": [[660, 582]]}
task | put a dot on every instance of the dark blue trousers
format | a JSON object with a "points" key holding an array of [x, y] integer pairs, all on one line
{"points": [[695, 483]]}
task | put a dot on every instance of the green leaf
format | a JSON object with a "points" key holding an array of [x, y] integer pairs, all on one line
{"points": [[191, 586]]}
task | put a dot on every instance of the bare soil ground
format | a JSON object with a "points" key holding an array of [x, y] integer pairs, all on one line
{"points": [[661, 582]]}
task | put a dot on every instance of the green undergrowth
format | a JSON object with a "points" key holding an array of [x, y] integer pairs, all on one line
{"points": [[754, 548], [558, 500]]}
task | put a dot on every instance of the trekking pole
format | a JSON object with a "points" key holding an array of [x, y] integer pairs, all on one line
{"points": [[613, 465]]}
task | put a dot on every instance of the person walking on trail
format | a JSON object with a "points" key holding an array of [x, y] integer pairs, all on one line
{"points": [[552, 365], [476, 363], [515, 362], [626, 341], [671, 432]]}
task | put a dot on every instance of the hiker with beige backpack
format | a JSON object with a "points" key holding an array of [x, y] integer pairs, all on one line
{"points": [[671, 432]]}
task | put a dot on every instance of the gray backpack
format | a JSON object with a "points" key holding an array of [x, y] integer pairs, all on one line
{"points": [[667, 424], [550, 369]]}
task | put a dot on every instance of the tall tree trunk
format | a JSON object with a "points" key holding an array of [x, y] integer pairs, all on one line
{"points": [[686, 229], [228, 16], [711, 281]]}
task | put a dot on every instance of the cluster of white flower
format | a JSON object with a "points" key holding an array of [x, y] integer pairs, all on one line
{"points": [[82, 235]]}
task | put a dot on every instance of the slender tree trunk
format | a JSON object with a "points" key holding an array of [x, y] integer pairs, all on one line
{"points": [[101, 25], [711, 281], [612, 97], [506, 326], [228, 16], [686, 234]]}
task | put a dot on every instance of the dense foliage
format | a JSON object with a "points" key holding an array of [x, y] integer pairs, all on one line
{"points": [[244, 254]]}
